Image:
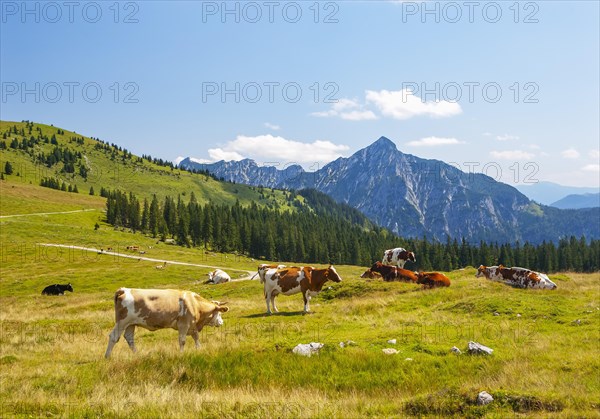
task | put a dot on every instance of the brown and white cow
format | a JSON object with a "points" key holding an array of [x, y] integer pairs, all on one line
{"points": [[264, 268], [154, 309], [397, 257], [370, 274], [306, 280], [517, 277], [433, 279], [393, 273]]}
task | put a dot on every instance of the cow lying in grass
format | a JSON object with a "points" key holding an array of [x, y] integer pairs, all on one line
{"points": [[154, 309], [57, 289], [218, 277], [516, 277], [393, 273], [432, 279]]}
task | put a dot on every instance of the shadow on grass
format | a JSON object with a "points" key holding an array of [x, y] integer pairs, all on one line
{"points": [[280, 314]]}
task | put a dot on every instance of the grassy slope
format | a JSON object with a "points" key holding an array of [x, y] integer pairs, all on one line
{"points": [[143, 179], [51, 353]]}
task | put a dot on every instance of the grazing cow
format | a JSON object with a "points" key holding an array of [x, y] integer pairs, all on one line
{"points": [[306, 280], [133, 248], [397, 257], [370, 274], [517, 277], [433, 279], [262, 268], [393, 273], [163, 266], [57, 289], [218, 277], [153, 309]]}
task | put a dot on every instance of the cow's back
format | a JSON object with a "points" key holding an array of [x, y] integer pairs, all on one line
{"points": [[150, 308]]}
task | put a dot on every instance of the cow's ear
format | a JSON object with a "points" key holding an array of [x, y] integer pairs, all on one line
{"points": [[500, 266], [222, 309]]}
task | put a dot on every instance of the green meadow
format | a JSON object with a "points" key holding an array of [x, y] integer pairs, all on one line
{"points": [[546, 343]]}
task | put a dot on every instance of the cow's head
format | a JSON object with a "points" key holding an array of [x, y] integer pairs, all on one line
{"points": [[69, 287], [411, 256], [376, 266], [215, 318], [481, 271], [332, 274], [211, 276], [369, 274]]}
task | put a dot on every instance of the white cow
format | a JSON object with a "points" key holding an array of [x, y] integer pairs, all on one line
{"points": [[397, 257], [154, 309], [218, 277]]}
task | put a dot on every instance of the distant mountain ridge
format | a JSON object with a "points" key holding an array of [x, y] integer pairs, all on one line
{"points": [[549, 192], [589, 200], [415, 197]]}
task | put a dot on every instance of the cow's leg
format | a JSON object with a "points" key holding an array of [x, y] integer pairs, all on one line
{"points": [[183, 331], [129, 332], [196, 339], [306, 302], [267, 300], [113, 338], [275, 309]]}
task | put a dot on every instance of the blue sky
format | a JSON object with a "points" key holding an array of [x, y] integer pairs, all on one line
{"points": [[153, 80]]}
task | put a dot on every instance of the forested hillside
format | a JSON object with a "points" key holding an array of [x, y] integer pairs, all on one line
{"points": [[326, 232]]}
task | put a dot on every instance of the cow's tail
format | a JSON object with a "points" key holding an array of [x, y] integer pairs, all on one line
{"points": [[253, 276], [118, 293]]}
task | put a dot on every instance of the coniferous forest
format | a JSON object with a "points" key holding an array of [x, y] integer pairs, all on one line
{"points": [[320, 230]]}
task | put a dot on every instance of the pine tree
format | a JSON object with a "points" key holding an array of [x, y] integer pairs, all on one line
{"points": [[145, 216], [153, 219], [91, 190], [8, 169]]}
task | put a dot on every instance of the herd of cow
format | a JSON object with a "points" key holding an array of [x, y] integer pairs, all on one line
{"points": [[188, 312]]}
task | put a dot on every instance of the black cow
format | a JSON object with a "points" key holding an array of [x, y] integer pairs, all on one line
{"points": [[57, 289]]}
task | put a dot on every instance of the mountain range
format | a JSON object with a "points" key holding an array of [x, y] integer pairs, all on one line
{"points": [[548, 193], [417, 197], [588, 200]]}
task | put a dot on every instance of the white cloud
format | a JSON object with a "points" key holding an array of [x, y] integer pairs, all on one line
{"points": [[201, 161], [178, 160], [217, 154], [595, 154], [591, 168], [534, 146], [434, 141], [345, 104], [570, 153], [269, 148], [512, 155], [348, 109], [403, 104], [272, 126], [507, 137]]}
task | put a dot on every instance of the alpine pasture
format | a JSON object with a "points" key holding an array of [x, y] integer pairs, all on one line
{"points": [[544, 362], [546, 342]]}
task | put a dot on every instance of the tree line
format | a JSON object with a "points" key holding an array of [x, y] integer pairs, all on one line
{"points": [[319, 230]]}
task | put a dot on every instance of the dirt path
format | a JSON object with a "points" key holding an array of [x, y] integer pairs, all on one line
{"points": [[171, 262], [48, 213]]}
